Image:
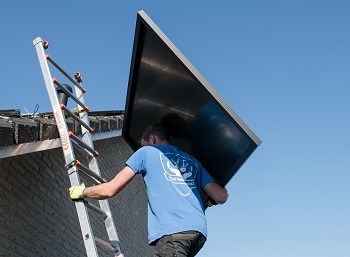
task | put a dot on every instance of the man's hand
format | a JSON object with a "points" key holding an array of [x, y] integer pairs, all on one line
{"points": [[76, 192], [211, 202], [217, 193]]}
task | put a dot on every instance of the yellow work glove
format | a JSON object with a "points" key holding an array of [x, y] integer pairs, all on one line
{"points": [[76, 192]]}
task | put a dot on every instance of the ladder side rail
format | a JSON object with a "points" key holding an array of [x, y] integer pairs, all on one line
{"points": [[109, 222], [59, 117], [86, 134], [110, 226], [83, 216], [68, 153]]}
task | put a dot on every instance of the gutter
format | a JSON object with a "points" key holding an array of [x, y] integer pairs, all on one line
{"points": [[38, 146]]}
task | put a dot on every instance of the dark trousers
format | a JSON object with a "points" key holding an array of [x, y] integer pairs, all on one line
{"points": [[184, 244]]}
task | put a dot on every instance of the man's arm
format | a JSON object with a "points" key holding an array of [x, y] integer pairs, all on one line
{"points": [[109, 189], [216, 192]]}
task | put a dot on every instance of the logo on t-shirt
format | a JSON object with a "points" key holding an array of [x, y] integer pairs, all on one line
{"points": [[180, 171]]}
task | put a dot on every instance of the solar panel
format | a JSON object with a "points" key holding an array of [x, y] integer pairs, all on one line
{"points": [[165, 87]]}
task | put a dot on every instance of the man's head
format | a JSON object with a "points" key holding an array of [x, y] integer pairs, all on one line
{"points": [[155, 134]]}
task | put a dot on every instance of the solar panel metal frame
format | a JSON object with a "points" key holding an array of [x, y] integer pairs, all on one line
{"points": [[135, 121]]}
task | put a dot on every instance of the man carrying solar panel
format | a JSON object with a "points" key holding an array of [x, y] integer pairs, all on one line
{"points": [[176, 219]]}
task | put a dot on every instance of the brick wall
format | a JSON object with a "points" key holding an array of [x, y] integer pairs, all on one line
{"points": [[37, 217]]}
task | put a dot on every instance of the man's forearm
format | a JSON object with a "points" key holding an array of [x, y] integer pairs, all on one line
{"points": [[99, 192], [109, 189]]}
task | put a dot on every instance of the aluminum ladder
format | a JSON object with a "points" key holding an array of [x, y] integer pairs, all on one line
{"points": [[84, 144]]}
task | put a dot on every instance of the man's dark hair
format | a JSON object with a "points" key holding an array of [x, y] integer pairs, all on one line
{"points": [[155, 129]]}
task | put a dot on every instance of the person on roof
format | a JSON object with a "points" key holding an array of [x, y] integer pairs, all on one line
{"points": [[174, 180]]}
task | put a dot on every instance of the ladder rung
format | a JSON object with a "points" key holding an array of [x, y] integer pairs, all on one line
{"points": [[82, 143], [82, 150], [89, 178], [107, 245], [76, 118], [82, 105], [48, 57], [96, 209], [88, 171]]}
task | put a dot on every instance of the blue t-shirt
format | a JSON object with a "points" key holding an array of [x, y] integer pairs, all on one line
{"points": [[173, 182]]}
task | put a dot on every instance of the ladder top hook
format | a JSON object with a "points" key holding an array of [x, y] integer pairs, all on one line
{"points": [[46, 44]]}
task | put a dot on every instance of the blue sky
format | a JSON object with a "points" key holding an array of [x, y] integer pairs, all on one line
{"points": [[283, 67]]}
